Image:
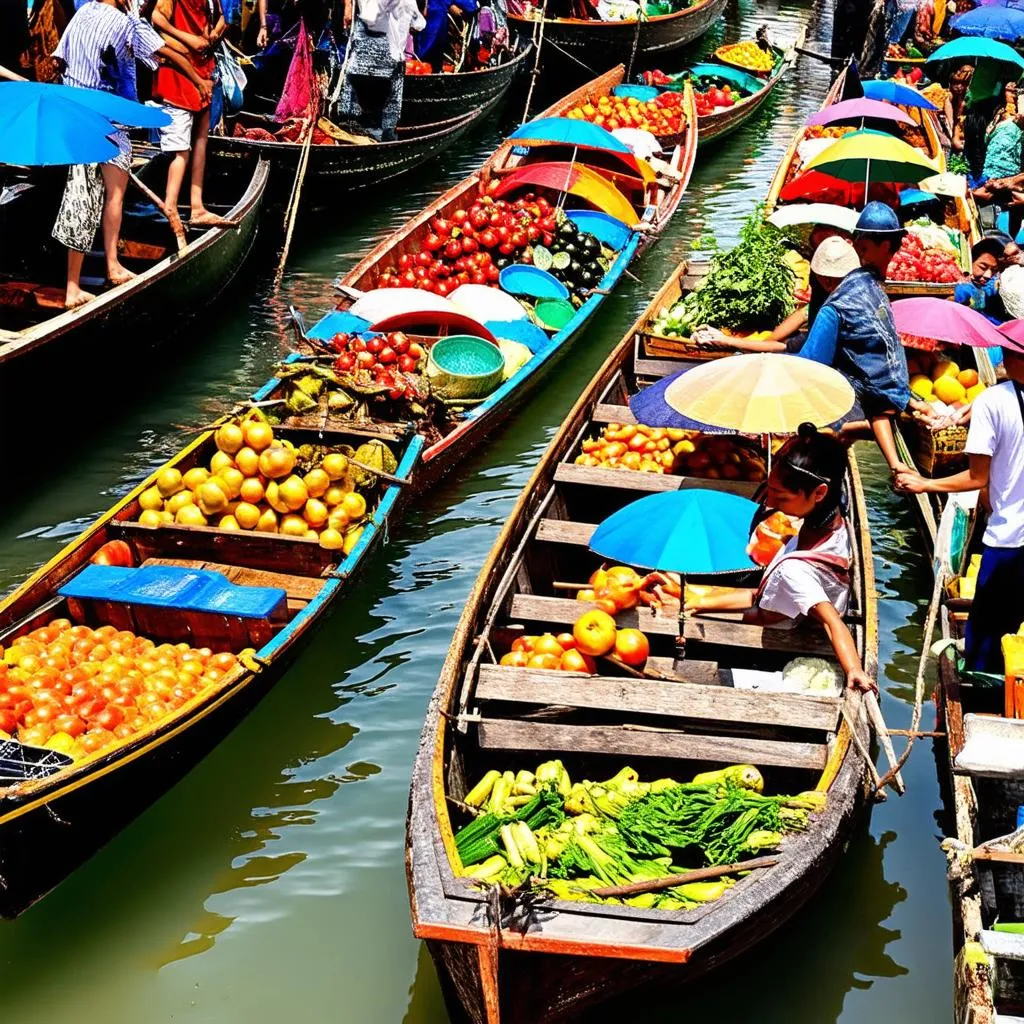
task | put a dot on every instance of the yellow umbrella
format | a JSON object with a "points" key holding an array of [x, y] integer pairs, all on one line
{"points": [[866, 155], [761, 393]]}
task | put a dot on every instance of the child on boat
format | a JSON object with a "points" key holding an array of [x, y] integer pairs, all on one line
{"points": [[810, 576], [980, 289], [995, 450]]}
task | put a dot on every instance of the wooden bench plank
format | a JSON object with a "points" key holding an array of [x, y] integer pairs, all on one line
{"points": [[1006, 945], [651, 697], [658, 368], [707, 629], [303, 588], [652, 483], [605, 413], [497, 734], [565, 531]]}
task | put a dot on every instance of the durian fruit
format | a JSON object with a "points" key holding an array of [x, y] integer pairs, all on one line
{"points": [[376, 454], [310, 384], [338, 401], [299, 402]]}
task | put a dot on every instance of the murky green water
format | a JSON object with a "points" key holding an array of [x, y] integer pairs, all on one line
{"points": [[269, 885]]}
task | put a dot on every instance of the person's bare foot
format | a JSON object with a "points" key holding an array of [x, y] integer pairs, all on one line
{"points": [[205, 219], [75, 297], [119, 275]]}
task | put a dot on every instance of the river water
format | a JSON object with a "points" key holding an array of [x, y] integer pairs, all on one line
{"points": [[269, 885]]}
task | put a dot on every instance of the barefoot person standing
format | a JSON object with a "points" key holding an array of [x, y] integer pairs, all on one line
{"points": [[192, 27]]}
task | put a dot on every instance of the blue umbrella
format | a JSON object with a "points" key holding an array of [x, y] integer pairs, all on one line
{"points": [[571, 132], [910, 196], [895, 92], [44, 124], [1017, 5], [991, 23], [970, 48], [695, 532]]}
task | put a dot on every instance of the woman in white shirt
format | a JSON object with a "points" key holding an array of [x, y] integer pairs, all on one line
{"points": [[995, 452], [810, 576]]}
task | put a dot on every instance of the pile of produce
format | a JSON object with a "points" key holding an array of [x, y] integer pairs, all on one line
{"points": [[418, 67], [896, 51], [827, 131], [914, 262], [256, 481], [575, 257], [911, 76], [569, 839], [671, 450], [78, 690], [594, 635], [714, 98], [935, 379], [661, 116], [620, 587], [770, 537], [913, 135], [750, 286], [748, 55]]}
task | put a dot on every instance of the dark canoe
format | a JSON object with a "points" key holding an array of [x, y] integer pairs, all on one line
{"points": [[542, 962], [981, 800], [716, 126], [132, 315], [465, 431], [50, 826], [428, 98], [595, 46], [341, 167]]}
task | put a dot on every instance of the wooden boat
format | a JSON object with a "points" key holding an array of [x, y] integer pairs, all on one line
{"points": [[982, 796], [527, 959], [35, 325], [342, 166], [461, 431], [598, 45], [428, 99], [963, 216], [50, 825], [725, 120]]}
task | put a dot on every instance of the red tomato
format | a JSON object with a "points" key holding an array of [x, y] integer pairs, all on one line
{"points": [[71, 724], [8, 721]]}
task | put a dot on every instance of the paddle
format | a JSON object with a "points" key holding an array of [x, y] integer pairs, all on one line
{"points": [[172, 215], [699, 875], [881, 730]]}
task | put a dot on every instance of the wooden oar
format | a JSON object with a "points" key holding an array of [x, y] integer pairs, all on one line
{"points": [[172, 215], [401, 481], [699, 875], [881, 730]]}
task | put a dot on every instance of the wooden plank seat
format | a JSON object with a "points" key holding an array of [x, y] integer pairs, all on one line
{"points": [[606, 412], [658, 368], [177, 603], [636, 741], [800, 640], [1007, 945], [649, 483], [652, 697], [565, 531]]}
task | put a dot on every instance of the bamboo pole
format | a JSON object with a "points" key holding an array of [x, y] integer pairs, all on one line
{"points": [[699, 875], [293, 202], [172, 215]]}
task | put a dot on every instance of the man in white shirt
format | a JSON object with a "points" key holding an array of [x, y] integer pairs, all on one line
{"points": [[995, 450]]}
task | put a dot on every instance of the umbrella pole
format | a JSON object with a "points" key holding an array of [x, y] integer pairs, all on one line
{"points": [[867, 181], [568, 178]]}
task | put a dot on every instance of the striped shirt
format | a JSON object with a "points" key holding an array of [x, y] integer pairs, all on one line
{"points": [[100, 46]]}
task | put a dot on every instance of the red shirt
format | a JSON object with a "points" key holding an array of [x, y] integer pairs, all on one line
{"points": [[169, 84]]}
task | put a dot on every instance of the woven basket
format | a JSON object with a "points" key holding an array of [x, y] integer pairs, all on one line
{"points": [[935, 452]]}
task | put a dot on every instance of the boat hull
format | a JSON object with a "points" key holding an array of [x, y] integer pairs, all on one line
{"points": [[599, 45], [428, 99]]}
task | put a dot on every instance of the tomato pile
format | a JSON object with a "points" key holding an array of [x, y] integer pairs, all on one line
{"points": [[473, 245], [827, 131], [914, 262], [660, 116], [377, 354], [706, 102], [418, 67], [78, 690]]}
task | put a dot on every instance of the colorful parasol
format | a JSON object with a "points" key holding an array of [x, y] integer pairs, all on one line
{"points": [[941, 320], [896, 92], [972, 50], [576, 179], [858, 110], [818, 187], [828, 214], [991, 22], [868, 155], [565, 131]]}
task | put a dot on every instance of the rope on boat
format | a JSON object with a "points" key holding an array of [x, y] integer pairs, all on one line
{"points": [[636, 42], [293, 202], [538, 42], [922, 667], [573, 57]]}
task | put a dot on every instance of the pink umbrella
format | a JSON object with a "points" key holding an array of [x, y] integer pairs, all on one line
{"points": [[1012, 333], [942, 320], [851, 110]]}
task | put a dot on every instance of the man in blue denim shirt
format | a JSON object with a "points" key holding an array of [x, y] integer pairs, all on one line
{"points": [[854, 330]]}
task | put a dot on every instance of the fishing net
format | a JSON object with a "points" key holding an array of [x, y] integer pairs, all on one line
{"points": [[300, 96]]}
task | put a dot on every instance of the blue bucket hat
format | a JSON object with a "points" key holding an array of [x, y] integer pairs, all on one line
{"points": [[877, 219]]}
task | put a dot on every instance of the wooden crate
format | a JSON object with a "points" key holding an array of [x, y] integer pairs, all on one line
{"points": [[935, 452], [657, 346]]}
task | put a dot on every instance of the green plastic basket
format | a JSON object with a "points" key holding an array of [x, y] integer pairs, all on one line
{"points": [[462, 366]]}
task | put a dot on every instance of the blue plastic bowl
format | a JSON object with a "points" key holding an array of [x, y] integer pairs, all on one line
{"points": [[524, 279], [602, 226]]}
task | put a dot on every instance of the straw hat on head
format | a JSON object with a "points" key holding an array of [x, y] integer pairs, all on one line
{"points": [[1011, 291], [835, 257]]}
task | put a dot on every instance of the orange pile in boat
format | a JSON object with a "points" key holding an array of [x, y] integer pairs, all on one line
{"points": [[78, 690]]}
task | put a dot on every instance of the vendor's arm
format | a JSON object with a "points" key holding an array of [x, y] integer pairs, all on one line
{"points": [[843, 644], [262, 37], [974, 478], [162, 14], [723, 600], [11, 76], [169, 55], [823, 339]]}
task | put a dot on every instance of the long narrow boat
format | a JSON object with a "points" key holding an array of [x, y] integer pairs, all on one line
{"points": [[983, 758], [599, 45], [502, 958], [250, 595], [964, 212], [35, 326], [462, 430], [427, 99], [342, 166]]}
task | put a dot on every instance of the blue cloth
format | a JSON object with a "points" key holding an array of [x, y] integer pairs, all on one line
{"points": [[854, 333], [430, 42], [980, 297], [997, 609]]}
